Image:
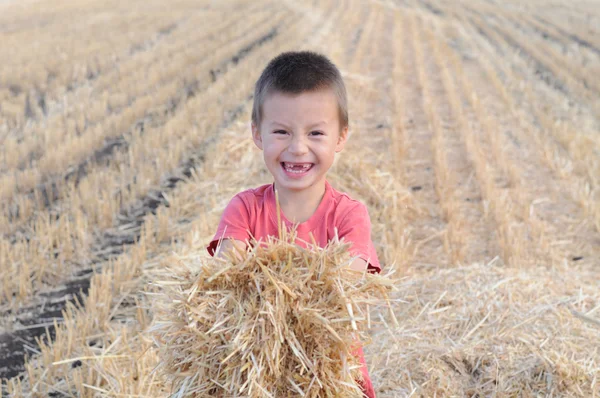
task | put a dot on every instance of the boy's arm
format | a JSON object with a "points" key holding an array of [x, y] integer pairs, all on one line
{"points": [[359, 265], [234, 224], [355, 227], [228, 245]]}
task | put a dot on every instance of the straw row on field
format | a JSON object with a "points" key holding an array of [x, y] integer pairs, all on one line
{"points": [[104, 192], [107, 115]]}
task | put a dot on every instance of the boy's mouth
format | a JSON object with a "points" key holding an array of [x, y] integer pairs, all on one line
{"points": [[296, 168]]}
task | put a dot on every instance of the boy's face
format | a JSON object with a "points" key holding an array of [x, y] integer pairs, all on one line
{"points": [[299, 136]]}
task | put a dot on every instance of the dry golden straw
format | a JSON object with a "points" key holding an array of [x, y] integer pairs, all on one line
{"points": [[280, 321]]}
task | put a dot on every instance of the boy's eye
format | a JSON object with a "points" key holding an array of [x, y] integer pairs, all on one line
{"points": [[285, 132]]}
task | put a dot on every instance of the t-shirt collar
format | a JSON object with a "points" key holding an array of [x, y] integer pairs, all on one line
{"points": [[313, 222]]}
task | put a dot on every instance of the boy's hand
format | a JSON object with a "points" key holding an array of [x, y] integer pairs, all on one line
{"points": [[358, 265], [230, 244]]}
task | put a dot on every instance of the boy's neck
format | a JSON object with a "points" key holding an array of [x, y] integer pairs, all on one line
{"points": [[299, 206]]}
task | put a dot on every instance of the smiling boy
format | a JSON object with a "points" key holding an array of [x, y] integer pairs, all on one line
{"points": [[299, 122]]}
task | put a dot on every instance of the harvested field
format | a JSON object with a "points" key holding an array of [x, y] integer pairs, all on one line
{"points": [[475, 144]]}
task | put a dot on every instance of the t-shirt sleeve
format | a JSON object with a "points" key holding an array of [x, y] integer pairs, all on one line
{"points": [[234, 223], [355, 227]]}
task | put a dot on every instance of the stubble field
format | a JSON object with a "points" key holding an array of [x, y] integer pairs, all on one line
{"points": [[124, 132]]}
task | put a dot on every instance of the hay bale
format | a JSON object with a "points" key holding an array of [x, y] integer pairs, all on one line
{"points": [[282, 321]]}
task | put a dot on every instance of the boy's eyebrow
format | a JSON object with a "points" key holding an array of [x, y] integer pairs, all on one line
{"points": [[279, 124], [310, 127]]}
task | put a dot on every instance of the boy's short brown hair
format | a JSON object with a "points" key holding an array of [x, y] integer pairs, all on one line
{"points": [[297, 72]]}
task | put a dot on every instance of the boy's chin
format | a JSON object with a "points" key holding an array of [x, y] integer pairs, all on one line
{"points": [[299, 184]]}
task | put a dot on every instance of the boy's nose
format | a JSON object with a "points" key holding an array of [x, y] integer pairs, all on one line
{"points": [[298, 146]]}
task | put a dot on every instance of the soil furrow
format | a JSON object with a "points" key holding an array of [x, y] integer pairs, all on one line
{"points": [[51, 191], [571, 155], [428, 230], [561, 221], [546, 70], [52, 85], [121, 203], [116, 76], [550, 217], [112, 243], [570, 134], [471, 237], [582, 42]]}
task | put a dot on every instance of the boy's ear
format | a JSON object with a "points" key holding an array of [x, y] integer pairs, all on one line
{"points": [[342, 139], [256, 136]]}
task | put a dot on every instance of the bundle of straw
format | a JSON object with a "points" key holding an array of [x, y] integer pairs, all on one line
{"points": [[279, 320]]}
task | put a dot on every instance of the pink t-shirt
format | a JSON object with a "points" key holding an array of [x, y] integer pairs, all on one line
{"points": [[254, 213]]}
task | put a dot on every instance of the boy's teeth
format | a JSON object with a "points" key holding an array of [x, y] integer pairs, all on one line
{"points": [[295, 168]]}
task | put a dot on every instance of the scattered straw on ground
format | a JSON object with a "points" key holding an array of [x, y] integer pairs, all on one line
{"points": [[492, 331]]}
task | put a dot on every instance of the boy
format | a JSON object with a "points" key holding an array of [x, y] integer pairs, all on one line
{"points": [[300, 121]]}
